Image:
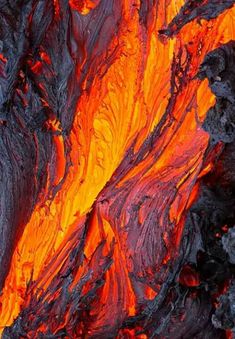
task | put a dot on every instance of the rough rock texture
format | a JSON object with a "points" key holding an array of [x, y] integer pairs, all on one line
{"points": [[218, 67]]}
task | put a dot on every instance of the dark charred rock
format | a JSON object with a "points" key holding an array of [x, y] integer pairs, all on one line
{"points": [[218, 67], [224, 316], [215, 205], [220, 121], [228, 241]]}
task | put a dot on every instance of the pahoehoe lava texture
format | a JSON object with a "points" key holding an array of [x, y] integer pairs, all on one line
{"points": [[50, 56], [38, 75], [208, 244]]}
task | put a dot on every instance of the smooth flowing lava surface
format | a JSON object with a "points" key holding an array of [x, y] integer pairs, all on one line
{"points": [[117, 169]]}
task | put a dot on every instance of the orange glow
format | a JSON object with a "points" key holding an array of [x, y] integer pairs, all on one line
{"points": [[120, 111], [229, 334], [2, 58], [45, 57], [189, 277], [83, 6]]}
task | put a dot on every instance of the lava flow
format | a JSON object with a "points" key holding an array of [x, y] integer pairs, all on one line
{"points": [[117, 169]]}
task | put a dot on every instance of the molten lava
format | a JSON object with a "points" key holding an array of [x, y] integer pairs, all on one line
{"points": [[103, 154]]}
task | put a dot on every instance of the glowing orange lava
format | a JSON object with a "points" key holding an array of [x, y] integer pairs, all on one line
{"points": [[120, 111]]}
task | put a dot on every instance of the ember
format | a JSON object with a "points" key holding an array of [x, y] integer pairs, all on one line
{"points": [[117, 125]]}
